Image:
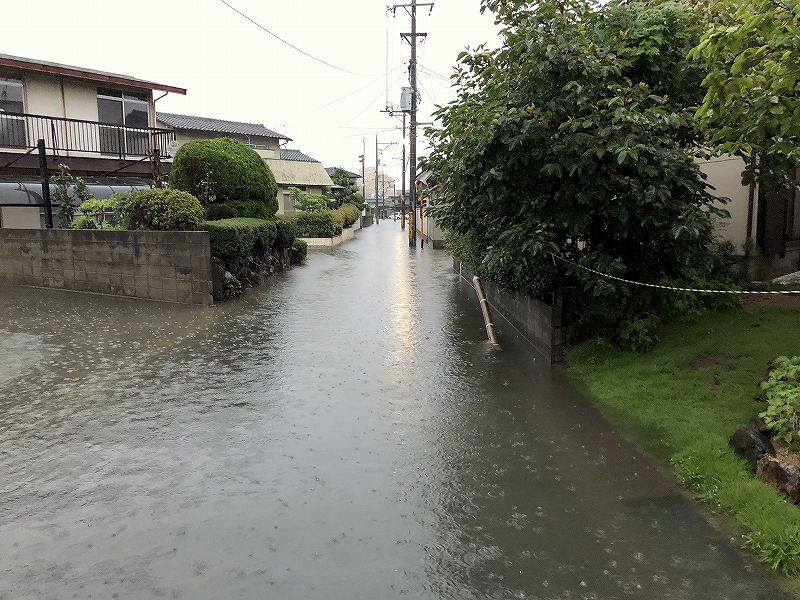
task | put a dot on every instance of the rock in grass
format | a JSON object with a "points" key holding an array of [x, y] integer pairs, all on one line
{"points": [[783, 476], [750, 442]]}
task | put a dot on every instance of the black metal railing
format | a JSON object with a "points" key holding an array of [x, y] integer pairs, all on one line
{"points": [[22, 130]]}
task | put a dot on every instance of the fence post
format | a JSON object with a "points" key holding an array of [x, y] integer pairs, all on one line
{"points": [[48, 207]]}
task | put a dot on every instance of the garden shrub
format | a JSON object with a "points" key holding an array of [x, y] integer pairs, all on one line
{"points": [[215, 212], [323, 224], [161, 210], [94, 214], [252, 209], [301, 248], [782, 392], [286, 233], [232, 288], [349, 214], [235, 239], [640, 335], [224, 169]]}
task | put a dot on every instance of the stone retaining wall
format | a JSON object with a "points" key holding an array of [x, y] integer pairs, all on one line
{"points": [[171, 266]]}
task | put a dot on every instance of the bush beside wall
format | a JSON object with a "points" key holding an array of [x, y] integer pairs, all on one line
{"points": [[160, 210], [323, 224], [235, 239]]}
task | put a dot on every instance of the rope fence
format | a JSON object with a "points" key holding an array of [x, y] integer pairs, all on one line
{"points": [[673, 288]]}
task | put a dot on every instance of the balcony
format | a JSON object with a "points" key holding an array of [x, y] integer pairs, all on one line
{"points": [[75, 137]]}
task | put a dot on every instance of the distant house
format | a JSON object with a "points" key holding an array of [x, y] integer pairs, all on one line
{"points": [[188, 128], [100, 124], [295, 169], [354, 177]]}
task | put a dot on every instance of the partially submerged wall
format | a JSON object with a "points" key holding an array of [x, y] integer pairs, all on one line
{"points": [[172, 266], [539, 323]]}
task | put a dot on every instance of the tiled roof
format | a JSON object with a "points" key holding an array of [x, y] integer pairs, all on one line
{"points": [[190, 122], [332, 171], [288, 154]]}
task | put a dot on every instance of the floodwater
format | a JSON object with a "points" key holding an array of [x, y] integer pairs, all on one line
{"points": [[342, 432]]}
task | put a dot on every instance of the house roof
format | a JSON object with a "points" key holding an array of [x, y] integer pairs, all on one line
{"points": [[43, 66], [194, 123], [298, 172], [296, 155], [332, 171]]}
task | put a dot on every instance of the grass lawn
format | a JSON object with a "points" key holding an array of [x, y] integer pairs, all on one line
{"points": [[682, 401]]}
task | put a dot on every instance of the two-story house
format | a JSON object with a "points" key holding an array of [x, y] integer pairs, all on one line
{"points": [[295, 169], [102, 125]]}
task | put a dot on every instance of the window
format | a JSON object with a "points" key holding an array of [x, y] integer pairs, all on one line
{"points": [[124, 122], [12, 126]]}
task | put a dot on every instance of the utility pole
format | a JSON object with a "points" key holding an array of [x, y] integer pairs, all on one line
{"points": [[412, 71], [403, 197], [377, 165], [363, 183]]}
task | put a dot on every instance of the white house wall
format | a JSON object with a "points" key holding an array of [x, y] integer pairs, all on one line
{"points": [[724, 174]]}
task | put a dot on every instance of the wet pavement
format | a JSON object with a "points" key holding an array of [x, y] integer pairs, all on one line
{"points": [[342, 432]]}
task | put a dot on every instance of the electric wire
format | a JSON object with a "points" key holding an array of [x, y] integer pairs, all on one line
{"points": [[283, 41], [363, 87]]}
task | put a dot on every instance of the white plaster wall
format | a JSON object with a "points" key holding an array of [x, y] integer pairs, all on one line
{"points": [[725, 176]]}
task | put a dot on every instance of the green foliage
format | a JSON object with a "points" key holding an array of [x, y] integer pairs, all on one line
{"points": [[308, 203], [69, 192], [349, 214], [349, 192], [215, 212], [685, 415], [640, 334], [94, 214], [573, 138], [235, 239], [158, 209], [252, 209], [232, 288], [301, 248], [778, 549], [286, 232], [782, 392], [752, 101], [323, 224], [224, 169]]}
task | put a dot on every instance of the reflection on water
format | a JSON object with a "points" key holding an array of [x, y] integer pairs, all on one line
{"points": [[344, 431]]}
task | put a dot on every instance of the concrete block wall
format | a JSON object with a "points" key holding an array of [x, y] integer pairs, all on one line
{"points": [[170, 266], [539, 323]]}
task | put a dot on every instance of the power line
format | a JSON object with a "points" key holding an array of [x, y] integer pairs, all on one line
{"points": [[367, 107], [378, 78], [434, 73], [283, 41]]}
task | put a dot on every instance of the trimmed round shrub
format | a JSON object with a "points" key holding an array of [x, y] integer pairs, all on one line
{"points": [[215, 212], [300, 248], [235, 239], [349, 214], [253, 209], [160, 210], [226, 169], [286, 233], [323, 224]]}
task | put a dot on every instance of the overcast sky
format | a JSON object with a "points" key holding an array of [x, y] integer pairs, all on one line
{"points": [[233, 70]]}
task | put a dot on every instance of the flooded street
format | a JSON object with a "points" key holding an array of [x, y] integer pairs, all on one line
{"points": [[342, 432]]}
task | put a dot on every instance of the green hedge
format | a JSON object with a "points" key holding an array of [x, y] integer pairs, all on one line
{"points": [[286, 232], [323, 224], [235, 239], [348, 213], [215, 212], [301, 247], [160, 210], [227, 170]]}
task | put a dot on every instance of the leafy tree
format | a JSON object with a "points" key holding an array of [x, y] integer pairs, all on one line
{"points": [[309, 203], [571, 139], [70, 192], [349, 192], [223, 169], [752, 100]]}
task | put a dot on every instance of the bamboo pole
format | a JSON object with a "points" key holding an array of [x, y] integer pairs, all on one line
{"points": [[491, 332]]}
